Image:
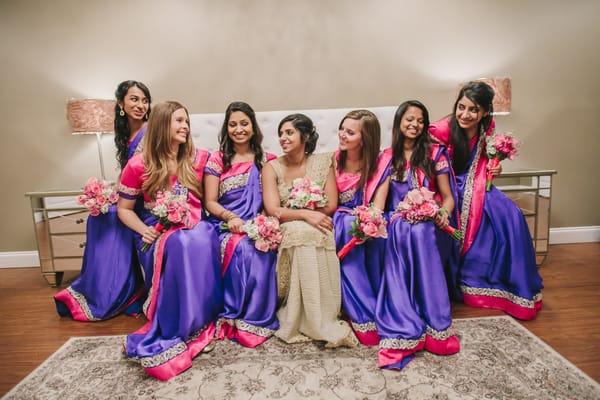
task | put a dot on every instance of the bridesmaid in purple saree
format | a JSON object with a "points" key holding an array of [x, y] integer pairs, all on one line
{"points": [[110, 281], [233, 195], [497, 261], [361, 175], [181, 267], [413, 307]]}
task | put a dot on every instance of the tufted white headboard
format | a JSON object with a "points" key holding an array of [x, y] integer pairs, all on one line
{"points": [[206, 127]]}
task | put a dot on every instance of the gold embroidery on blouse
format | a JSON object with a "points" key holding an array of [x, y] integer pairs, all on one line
{"points": [[214, 166], [128, 190]]}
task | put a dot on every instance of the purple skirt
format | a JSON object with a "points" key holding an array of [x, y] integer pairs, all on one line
{"points": [[110, 279]]}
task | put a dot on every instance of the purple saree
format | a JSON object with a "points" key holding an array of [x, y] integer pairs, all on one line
{"points": [[249, 279], [361, 269], [413, 307], [497, 265], [182, 273], [110, 281]]}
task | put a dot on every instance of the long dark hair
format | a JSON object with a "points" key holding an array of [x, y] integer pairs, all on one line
{"points": [[121, 123], [225, 142], [308, 132], [420, 154], [481, 94], [371, 138]]}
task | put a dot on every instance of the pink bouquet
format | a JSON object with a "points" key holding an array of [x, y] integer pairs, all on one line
{"points": [[499, 147], [171, 210], [419, 205], [369, 223], [97, 196], [306, 194], [265, 232]]}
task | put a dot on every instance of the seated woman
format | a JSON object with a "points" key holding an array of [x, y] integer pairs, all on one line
{"points": [[233, 195], [361, 176], [181, 266], [308, 271], [497, 260], [110, 281], [413, 306]]}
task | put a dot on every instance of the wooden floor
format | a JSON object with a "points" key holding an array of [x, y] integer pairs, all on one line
{"points": [[30, 330]]}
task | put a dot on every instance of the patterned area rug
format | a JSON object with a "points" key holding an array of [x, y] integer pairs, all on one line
{"points": [[499, 360]]}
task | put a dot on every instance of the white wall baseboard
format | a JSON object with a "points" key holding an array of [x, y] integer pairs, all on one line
{"points": [[575, 234], [19, 259]]}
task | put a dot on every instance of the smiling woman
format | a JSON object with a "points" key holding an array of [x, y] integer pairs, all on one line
{"points": [[308, 271]]}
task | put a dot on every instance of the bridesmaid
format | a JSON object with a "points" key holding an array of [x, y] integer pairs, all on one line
{"points": [[362, 177], [110, 279], [181, 267], [497, 265], [233, 195], [308, 271], [413, 306]]}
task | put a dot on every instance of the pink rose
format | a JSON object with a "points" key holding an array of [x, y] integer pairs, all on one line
{"points": [[370, 229], [261, 245], [428, 210], [415, 197]]}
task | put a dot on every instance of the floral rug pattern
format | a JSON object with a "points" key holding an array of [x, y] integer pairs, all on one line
{"points": [[499, 359]]}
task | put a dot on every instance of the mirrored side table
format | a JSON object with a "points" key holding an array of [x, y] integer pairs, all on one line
{"points": [[59, 224], [531, 190]]}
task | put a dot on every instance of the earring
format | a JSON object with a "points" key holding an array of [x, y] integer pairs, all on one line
{"points": [[122, 113]]}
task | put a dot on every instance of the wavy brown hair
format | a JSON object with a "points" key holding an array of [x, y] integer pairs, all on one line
{"points": [[157, 149], [371, 137]]}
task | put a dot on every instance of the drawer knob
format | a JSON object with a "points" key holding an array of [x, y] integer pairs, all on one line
{"points": [[81, 245], [79, 221]]}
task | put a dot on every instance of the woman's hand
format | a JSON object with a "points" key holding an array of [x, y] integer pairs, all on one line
{"points": [[319, 220], [149, 235], [441, 219], [497, 170], [235, 225]]}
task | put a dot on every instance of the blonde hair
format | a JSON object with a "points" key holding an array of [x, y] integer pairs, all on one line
{"points": [[157, 148], [371, 138]]}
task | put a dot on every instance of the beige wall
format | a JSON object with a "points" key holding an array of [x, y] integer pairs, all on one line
{"points": [[286, 55]]}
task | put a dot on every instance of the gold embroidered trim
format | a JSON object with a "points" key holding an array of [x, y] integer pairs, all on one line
{"points": [[233, 182], [346, 196], [400, 344], [82, 303], [128, 190], [224, 245], [165, 356], [246, 327], [440, 165], [513, 298], [440, 335], [170, 353], [364, 327], [214, 166], [468, 195]]}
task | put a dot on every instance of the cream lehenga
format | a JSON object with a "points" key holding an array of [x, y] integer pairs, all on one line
{"points": [[308, 273]]}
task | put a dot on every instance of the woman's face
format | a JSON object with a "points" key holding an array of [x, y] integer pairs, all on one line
{"points": [[468, 114], [135, 103], [350, 135], [412, 123], [290, 138], [239, 128], [180, 126]]}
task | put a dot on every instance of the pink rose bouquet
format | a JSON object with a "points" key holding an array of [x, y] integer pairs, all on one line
{"points": [[419, 205], [265, 232], [499, 147], [306, 194], [171, 210], [369, 223], [98, 196]]}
